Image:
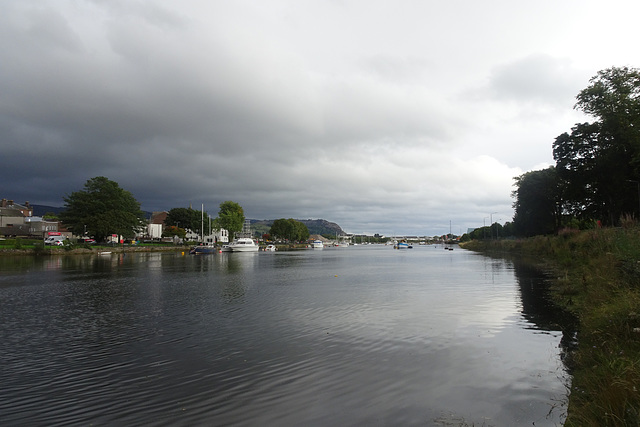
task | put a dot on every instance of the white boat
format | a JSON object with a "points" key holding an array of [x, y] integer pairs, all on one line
{"points": [[243, 244], [270, 248], [317, 244]]}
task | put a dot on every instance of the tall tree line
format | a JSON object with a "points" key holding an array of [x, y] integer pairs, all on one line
{"points": [[597, 172]]}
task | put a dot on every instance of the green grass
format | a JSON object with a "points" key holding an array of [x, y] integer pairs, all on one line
{"points": [[598, 279]]}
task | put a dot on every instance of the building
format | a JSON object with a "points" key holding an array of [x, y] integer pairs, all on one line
{"points": [[12, 218], [156, 225], [38, 226]]}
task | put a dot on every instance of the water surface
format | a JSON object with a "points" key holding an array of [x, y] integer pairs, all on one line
{"points": [[341, 336]]}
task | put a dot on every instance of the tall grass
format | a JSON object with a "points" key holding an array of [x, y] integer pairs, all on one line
{"points": [[598, 279]]}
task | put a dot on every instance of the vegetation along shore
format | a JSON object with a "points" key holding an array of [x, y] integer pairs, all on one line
{"points": [[597, 278]]}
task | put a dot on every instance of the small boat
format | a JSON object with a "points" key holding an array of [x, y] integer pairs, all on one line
{"points": [[270, 248], [403, 245], [203, 249], [104, 253], [317, 244]]}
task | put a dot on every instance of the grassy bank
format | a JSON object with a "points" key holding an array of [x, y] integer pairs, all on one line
{"points": [[36, 247], [598, 279]]}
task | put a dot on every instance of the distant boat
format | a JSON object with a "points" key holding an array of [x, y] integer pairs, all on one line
{"points": [[270, 248], [403, 245], [317, 244]]}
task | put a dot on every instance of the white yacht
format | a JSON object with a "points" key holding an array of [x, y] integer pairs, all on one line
{"points": [[317, 244], [243, 244]]}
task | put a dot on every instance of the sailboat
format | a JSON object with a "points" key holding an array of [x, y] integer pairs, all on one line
{"points": [[203, 247]]}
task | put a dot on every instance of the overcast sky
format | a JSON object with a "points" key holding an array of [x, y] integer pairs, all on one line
{"points": [[385, 117]]}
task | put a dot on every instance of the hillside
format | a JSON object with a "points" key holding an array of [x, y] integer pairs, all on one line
{"points": [[315, 226], [39, 210]]}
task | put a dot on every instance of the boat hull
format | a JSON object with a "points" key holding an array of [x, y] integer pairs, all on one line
{"points": [[203, 250]]}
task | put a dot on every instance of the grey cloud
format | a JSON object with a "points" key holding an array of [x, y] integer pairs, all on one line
{"points": [[304, 111], [540, 79]]}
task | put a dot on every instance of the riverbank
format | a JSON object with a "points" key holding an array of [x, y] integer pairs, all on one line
{"points": [[86, 249], [597, 278]]}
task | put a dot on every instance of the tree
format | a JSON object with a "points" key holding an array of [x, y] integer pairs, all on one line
{"points": [[281, 228], [289, 229], [102, 209], [173, 231], [537, 205], [302, 232], [50, 216], [189, 219], [230, 217], [596, 160]]}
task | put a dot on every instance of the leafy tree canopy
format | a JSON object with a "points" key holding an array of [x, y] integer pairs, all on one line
{"points": [[596, 161], [230, 217], [289, 229], [189, 219], [537, 204], [102, 209]]}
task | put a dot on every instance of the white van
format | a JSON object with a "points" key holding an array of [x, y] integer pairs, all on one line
{"points": [[54, 240]]}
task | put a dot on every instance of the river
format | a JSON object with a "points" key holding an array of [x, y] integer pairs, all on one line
{"points": [[355, 336]]}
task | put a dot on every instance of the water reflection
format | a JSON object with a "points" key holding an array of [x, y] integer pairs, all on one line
{"points": [[346, 337]]}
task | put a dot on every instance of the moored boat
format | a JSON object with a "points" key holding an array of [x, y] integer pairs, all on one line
{"points": [[203, 249], [403, 245], [243, 244]]}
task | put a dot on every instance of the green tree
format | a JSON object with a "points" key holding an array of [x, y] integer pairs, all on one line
{"points": [[289, 229], [173, 231], [50, 216], [596, 160], [230, 217], [281, 228], [189, 219], [537, 203], [104, 209], [302, 232]]}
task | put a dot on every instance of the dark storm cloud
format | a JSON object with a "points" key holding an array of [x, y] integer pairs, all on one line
{"points": [[303, 110]]}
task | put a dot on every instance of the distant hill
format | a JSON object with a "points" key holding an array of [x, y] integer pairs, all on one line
{"points": [[39, 210], [315, 226]]}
